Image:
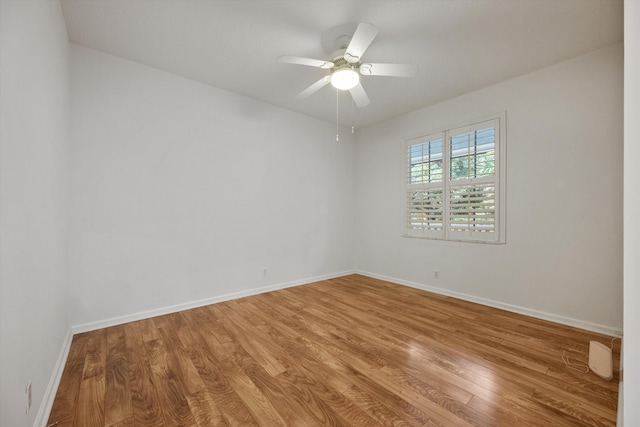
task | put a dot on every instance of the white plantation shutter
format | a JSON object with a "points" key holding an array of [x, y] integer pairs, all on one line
{"points": [[472, 212], [425, 212], [453, 184], [425, 187]]}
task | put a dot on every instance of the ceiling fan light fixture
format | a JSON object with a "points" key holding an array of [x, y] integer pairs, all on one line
{"points": [[345, 79]]}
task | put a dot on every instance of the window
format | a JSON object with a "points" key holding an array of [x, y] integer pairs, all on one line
{"points": [[455, 184]]}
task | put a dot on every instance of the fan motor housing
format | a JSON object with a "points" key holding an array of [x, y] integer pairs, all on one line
{"points": [[339, 62]]}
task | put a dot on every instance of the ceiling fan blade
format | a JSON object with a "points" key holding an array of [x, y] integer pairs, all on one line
{"points": [[306, 61], [362, 38], [359, 96], [393, 70], [314, 88]]}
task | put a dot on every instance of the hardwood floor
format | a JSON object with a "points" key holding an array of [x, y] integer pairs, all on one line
{"points": [[350, 351]]}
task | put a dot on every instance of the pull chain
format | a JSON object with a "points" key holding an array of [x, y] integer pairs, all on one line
{"points": [[353, 128], [337, 116]]}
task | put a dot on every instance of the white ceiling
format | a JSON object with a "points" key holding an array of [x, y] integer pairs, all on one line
{"points": [[458, 45]]}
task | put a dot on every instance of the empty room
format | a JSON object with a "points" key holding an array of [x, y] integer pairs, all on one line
{"points": [[312, 213]]}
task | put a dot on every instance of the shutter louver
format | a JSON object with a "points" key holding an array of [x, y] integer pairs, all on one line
{"points": [[472, 208], [425, 210]]}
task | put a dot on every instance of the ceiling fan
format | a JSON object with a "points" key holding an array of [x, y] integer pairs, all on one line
{"points": [[346, 66]]}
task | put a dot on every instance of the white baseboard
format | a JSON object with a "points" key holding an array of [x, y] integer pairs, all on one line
{"points": [[91, 326], [54, 382], [576, 323]]}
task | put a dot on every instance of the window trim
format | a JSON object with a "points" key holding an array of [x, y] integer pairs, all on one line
{"points": [[499, 181]]}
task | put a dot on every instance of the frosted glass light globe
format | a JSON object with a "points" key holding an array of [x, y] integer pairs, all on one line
{"points": [[345, 79]]}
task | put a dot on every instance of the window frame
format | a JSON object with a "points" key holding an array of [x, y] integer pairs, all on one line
{"points": [[497, 181]]}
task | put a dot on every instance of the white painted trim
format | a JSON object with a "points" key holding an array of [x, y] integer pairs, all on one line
{"points": [[576, 323], [91, 326], [620, 421], [52, 388]]}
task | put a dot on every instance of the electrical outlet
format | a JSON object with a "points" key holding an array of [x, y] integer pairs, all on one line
{"points": [[436, 274], [27, 392], [265, 273]]}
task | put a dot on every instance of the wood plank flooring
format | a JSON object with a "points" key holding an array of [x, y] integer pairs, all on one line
{"points": [[351, 351]]}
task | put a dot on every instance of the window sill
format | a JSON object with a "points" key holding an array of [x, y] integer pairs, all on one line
{"points": [[486, 242]]}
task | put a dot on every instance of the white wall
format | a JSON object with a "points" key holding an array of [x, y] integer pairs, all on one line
{"points": [[563, 254], [631, 213], [182, 192], [34, 85]]}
